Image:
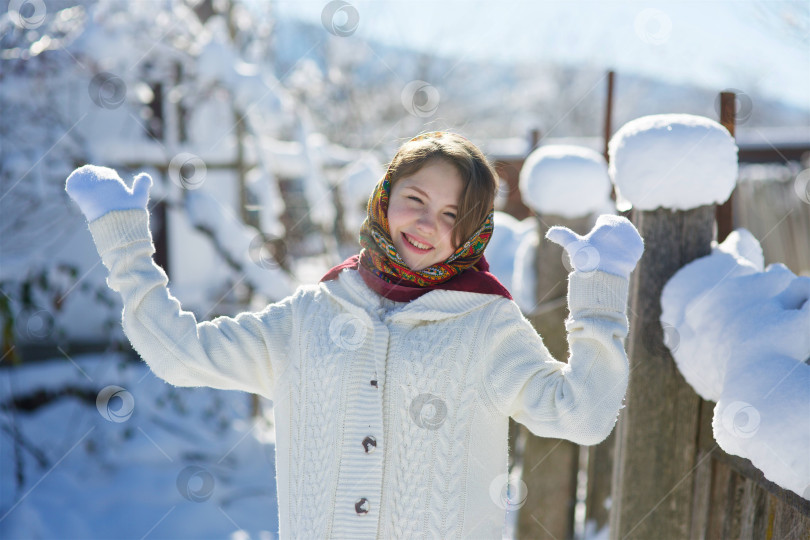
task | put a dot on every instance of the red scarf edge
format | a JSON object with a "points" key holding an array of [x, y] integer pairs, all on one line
{"points": [[477, 280]]}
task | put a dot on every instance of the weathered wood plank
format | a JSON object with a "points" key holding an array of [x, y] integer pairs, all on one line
{"points": [[701, 501], [657, 445], [790, 524], [754, 512], [600, 473], [550, 472], [733, 505], [721, 473], [746, 468], [550, 466]]}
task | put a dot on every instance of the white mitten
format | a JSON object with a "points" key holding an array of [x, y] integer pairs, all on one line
{"points": [[613, 246], [99, 190]]}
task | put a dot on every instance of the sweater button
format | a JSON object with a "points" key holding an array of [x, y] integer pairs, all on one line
{"points": [[362, 506], [369, 444], [374, 383]]}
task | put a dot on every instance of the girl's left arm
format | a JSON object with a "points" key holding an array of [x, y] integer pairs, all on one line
{"points": [[578, 400]]}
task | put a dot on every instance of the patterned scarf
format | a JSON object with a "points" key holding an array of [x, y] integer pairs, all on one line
{"points": [[380, 257]]}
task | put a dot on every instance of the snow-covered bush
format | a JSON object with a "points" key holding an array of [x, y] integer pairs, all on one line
{"points": [[243, 246], [34, 309]]}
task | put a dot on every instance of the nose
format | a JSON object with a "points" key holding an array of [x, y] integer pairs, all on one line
{"points": [[426, 222]]}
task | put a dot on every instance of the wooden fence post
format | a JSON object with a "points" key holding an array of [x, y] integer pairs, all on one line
{"points": [[608, 128], [657, 432], [550, 466], [725, 211], [600, 456], [600, 473]]}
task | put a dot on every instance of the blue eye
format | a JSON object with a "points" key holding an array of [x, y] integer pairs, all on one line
{"points": [[450, 214]]}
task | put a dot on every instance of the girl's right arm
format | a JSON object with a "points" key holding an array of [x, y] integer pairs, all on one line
{"points": [[247, 352]]}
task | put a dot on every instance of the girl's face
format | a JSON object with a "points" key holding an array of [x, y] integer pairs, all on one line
{"points": [[422, 210]]}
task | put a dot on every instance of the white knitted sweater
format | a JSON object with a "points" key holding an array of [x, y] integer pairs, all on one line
{"points": [[432, 383]]}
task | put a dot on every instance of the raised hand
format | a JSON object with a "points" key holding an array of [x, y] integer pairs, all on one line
{"points": [[99, 190], [613, 246]]}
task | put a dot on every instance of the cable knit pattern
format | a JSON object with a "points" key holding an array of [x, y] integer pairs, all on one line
{"points": [[321, 450], [292, 403], [447, 496], [391, 419], [425, 403]]}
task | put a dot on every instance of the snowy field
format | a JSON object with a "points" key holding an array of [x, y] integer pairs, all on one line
{"points": [[144, 461]]}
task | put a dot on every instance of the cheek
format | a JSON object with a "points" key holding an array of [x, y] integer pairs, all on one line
{"points": [[397, 216], [447, 235]]}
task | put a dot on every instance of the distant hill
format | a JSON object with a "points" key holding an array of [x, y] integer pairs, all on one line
{"points": [[360, 103]]}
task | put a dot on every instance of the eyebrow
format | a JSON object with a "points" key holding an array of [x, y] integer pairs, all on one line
{"points": [[428, 196]]}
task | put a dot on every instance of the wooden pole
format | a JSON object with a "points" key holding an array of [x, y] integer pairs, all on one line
{"points": [[608, 113], [600, 456], [725, 213], [657, 432], [535, 138], [550, 466], [600, 473]]}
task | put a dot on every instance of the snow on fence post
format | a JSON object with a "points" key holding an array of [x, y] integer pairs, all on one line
{"points": [[563, 185], [673, 168]]}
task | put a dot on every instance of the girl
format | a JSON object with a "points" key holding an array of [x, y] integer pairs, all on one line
{"points": [[392, 379]]}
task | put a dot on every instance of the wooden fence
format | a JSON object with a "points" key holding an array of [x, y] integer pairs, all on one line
{"points": [[671, 481], [732, 498], [775, 214]]}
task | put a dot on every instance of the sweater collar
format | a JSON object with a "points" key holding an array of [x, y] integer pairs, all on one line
{"points": [[476, 279], [351, 291]]}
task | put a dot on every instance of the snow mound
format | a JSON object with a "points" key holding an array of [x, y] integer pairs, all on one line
{"points": [[762, 416], [565, 180], [357, 181], [524, 275], [507, 235], [738, 255], [741, 336], [677, 161]]}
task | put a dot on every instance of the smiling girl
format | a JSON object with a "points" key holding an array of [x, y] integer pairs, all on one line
{"points": [[422, 212], [393, 379]]}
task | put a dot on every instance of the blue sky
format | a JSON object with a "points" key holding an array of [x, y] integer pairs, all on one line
{"points": [[715, 44]]}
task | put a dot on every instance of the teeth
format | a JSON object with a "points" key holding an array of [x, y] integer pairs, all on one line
{"points": [[415, 243]]}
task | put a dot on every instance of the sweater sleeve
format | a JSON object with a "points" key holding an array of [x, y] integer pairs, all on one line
{"points": [[578, 400], [247, 352]]}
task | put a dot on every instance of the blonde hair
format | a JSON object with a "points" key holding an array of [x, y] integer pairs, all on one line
{"points": [[479, 179]]}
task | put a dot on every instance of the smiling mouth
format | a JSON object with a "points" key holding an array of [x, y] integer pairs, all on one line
{"points": [[418, 246]]}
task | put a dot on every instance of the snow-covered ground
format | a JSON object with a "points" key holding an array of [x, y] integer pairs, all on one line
{"points": [[142, 460]]}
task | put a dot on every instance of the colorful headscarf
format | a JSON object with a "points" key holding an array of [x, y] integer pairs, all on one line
{"points": [[379, 256]]}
